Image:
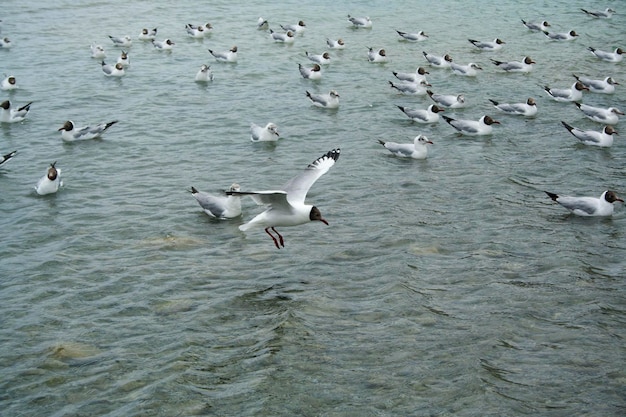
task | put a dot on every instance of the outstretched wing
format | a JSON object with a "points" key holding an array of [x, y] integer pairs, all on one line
{"points": [[298, 186]]}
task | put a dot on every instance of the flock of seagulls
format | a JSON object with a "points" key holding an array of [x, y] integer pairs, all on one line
{"points": [[286, 206]]}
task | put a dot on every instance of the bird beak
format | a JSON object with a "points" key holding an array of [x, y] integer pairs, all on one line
{"points": [[326, 223]]}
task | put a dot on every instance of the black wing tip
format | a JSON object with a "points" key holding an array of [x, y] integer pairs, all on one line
{"points": [[446, 118], [552, 195], [193, 190], [568, 127], [495, 103]]}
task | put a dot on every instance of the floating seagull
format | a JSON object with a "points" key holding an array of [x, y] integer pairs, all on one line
{"points": [[297, 28], [468, 70], [605, 86], [429, 115], [525, 65], [71, 133], [416, 150], [123, 41], [204, 74], [615, 56], [335, 43], [196, 32], [164, 45], [360, 22], [207, 28], [286, 206], [5, 43], [328, 101], [601, 115], [5, 158], [116, 70], [603, 138], [406, 87], [124, 59], [287, 37], [438, 61], [602, 14], [488, 45], [472, 127], [10, 115], [574, 93], [269, 133], [413, 37], [97, 51], [588, 206], [321, 59], [262, 24], [147, 34], [220, 207], [313, 73], [226, 56], [527, 109], [561, 36], [536, 26], [9, 83], [415, 77], [378, 55], [49, 183], [448, 100]]}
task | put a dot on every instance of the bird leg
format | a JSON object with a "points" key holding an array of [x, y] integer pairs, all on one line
{"points": [[282, 242]]}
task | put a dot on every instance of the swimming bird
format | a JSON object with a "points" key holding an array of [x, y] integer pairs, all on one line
{"points": [[438, 61], [603, 138], [536, 26], [70, 132], [207, 28], [312, 73], [472, 127], [607, 116], [296, 28], [417, 76], [116, 70], [124, 59], [335, 43], [527, 109], [5, 158], [164, 45], [220, 207], [121, 41], [602, 14], [429, 115], [574, 93], [469, 70], [204, 74], [526, 65], [196, 32], [321, 59], [406, 87], [286, 206], [328, 101], [615, 56], [262, 24], [413, 37], [147, 34], [416, 150], [5, 43], [97, 51], [378, 55], [588, 206], [269, 133], [561, 36], [605, 86], [448, 100], [50, 182], [360, 22], [494, 45], [11, 115], [287, 37], [225, 56], [9, 83]]}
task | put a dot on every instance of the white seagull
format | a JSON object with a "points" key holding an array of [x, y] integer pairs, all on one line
{"points": [[416, 150], [406, 87], [286, 207], [49, 183], [5, 43], [5, 158], [196, 32], [607, 116], [220, 207], [415, 77], [561, 36], [602, 14], [225, 56], [574, 93], [164, 45], [526, 65], [70, 132], [269, 133], [472, 127], [262, 24], [335, 43], [287, 37], [124, 59], [448, 100], [588, 206], [328, 101], [527, 109], [10, 115], [603, 138], [360, 22], [494, 45], [116, 70], [536, 26], [97, 51], [204, 74], [469, 70], [321, 59], [378, 55], [296, 28], [147, 34], [9, 83], [413, 37], [122, 41], [615, 56], [312, 73], [429, 115], [605, 86], [438, 61], [207, 28]]}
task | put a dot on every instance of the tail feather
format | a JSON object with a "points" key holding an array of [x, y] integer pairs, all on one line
{"points": [[552, 195], [25, 107], [568, 127], [382, 142]]}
